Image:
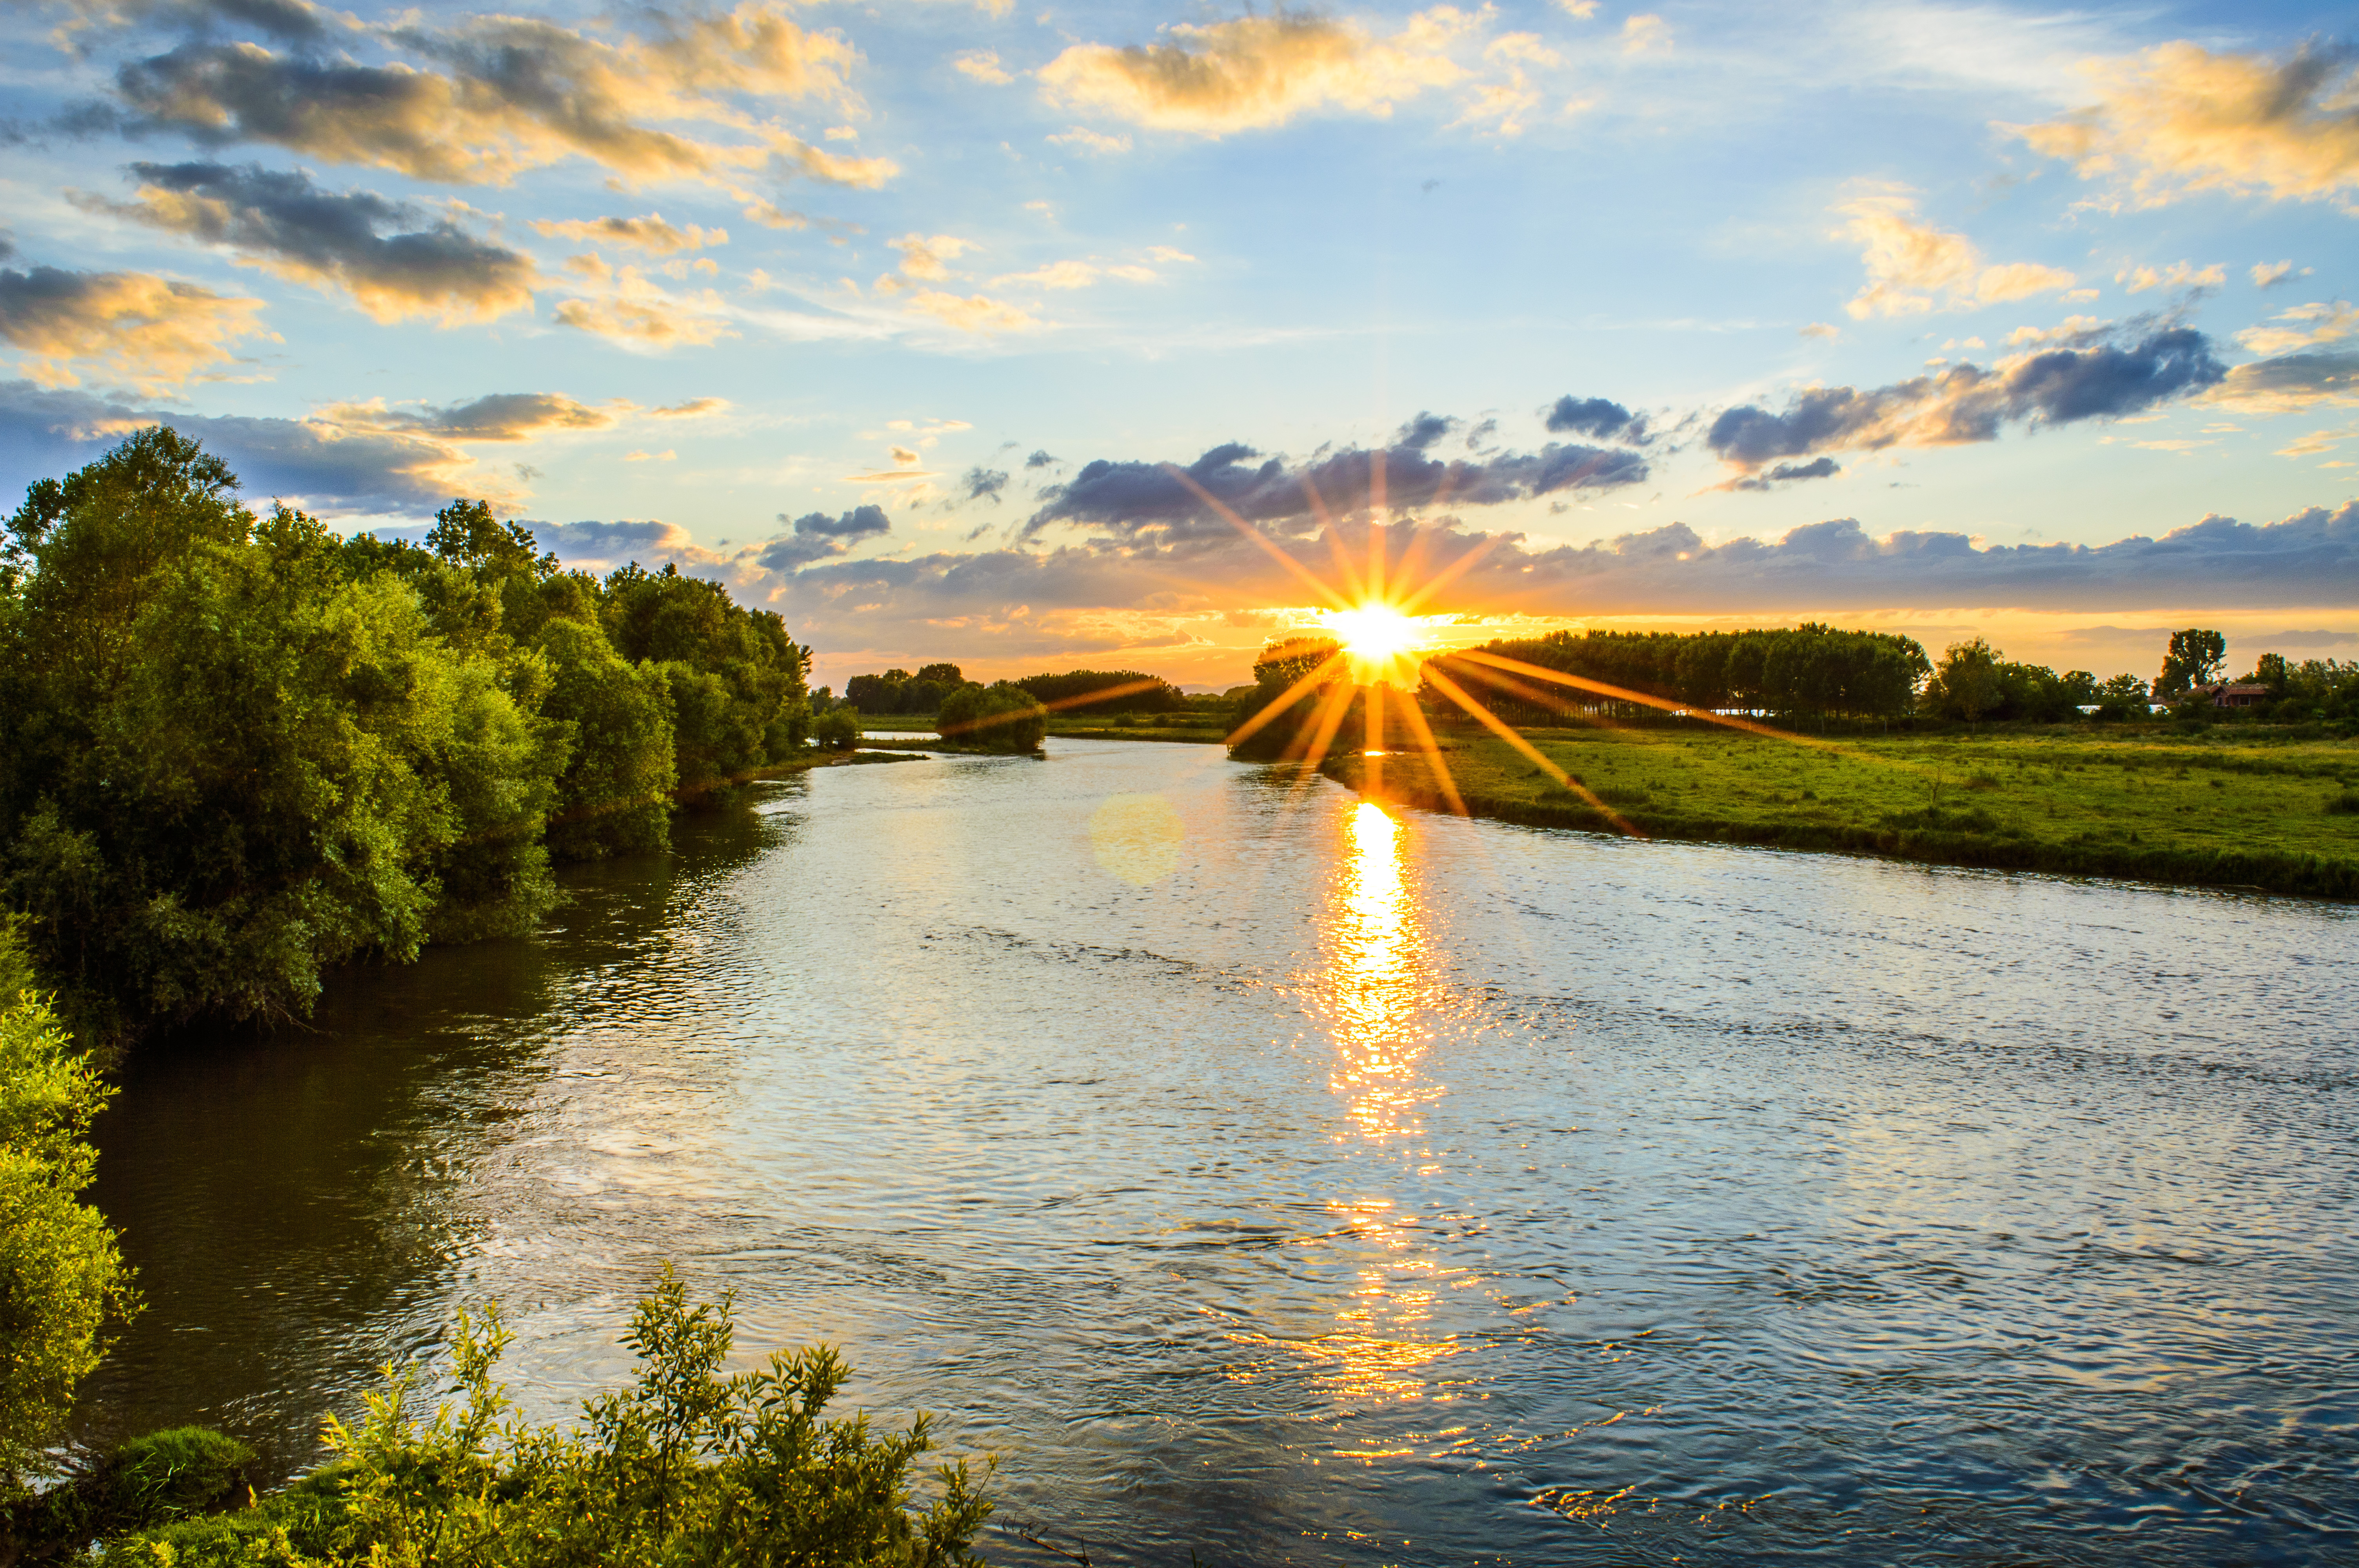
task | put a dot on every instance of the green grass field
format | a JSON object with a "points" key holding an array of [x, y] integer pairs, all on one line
{"points": [[2213, 810]]}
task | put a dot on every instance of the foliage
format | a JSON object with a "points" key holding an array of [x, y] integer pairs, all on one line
{"points": [[1130, 691], [899, 691], [1811, 671], [2192, 659], [999, 718], [837, 730], [688, 1465], [240, 751], [1965, 683], [61, 1275]]}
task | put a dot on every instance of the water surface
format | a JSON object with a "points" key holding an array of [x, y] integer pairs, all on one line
{"points": [[1257, 1173]]}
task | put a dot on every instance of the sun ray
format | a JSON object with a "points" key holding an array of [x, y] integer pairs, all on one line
{"points": [[1450, 574], [1498, 726], [1103, 694], [1256, 534], [1415, 717], [1283, 700], [1623, 693], [1330, 718]]}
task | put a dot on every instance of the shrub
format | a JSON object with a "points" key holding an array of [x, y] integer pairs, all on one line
{"points": [[685, 1467], [1001, 718], [837, 730]]}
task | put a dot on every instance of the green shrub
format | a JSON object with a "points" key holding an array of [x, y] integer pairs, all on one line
{"points": [[837, 730], [685, 1467], [1001, 718]]}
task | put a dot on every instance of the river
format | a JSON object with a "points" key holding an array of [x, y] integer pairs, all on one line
{"points": [[1259, 1174]]}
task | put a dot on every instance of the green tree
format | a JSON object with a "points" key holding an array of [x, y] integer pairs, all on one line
{"points": [[1966, 682], [614, 796], [63, 1278], [2192, 659]]}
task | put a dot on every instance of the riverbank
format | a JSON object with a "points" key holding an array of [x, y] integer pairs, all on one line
{"points": [[2203, 811]]}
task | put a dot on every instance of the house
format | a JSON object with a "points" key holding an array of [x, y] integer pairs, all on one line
{"points": [[2231, 694]]}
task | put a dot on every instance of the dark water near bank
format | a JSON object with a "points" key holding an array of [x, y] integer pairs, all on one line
{"points": [[1257, 1174]]}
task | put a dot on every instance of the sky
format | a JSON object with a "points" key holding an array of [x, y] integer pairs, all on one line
{"points": [[1032, 338]]}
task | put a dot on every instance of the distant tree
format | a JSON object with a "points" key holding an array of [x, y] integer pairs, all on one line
{"points": [[999, 718], [1126, 691], [2123, 697], [1966, 682], [2272, 671], [2192, 659], [945, 676]]}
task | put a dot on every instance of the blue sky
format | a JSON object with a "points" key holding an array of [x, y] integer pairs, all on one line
{"points": [[1696, 314]]}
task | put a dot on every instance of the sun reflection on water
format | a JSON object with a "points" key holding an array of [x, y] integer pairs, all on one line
{"points": [[1376, 991]]}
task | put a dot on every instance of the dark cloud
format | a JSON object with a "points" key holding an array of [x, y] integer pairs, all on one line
{"points": [[2294, 380], [315, 465], [606, 546], [2086, 380], [144, 332], [427, 266], [1132, 498], [980, 483], [499, 416], [817, 536], [1423, 431], [1606, 420], [1817, 468], [292, 20], [1041, 459]]}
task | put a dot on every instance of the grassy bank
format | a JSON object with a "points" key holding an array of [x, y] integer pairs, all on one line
{"points": [[2213, 810]]}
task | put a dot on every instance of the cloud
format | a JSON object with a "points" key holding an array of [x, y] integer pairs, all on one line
{"points": [[1041, 459], [2178, 275], [501, 95], [930, 258], [1817, 468], [1133, 500], [984, 66], [2179, 119], [1821, 329], [2311, 325], [980, 483], [650, 234], [817, 536], [2269, 274], [694, 408], [1914, 267], [1646, 34], [1580, 10], [626, 308], [1114, 591], [1073, 275], [2095, 379], [1597, 416], [974, 313], [372, 467], [2291, 382], [1088, 141], [285, 224], [501, 416], [143, 333], [1257, 72]]}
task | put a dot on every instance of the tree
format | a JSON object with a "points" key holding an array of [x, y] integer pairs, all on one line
{"points": [[1966, 682], [2192, 659], [614, 796], [62, 1276], [943, 675]]}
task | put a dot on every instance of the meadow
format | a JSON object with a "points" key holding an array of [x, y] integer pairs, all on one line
{"points": [[2213, 809]]}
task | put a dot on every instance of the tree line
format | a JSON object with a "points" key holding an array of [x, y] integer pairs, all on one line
{"points": [[239, 750], [1811, 670], [898, 691]]}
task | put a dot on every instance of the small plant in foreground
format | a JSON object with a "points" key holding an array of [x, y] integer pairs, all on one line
{"points": [[687, 1465]]}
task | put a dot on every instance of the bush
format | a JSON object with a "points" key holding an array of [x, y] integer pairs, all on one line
{"points": [[1001, 718], [837, 730], [686, 1466]]}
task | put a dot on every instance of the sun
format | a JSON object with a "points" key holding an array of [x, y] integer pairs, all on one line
{"points": [[1376, 638]]}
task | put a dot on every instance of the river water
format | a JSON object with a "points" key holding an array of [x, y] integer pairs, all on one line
{"points": [[1259, 1174]]}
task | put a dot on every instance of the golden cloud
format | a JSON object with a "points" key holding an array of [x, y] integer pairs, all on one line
{"points": [[145, 332], [2178, 119], [974, 313], [1913, 267], [650, 234], [1258, 71]]}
